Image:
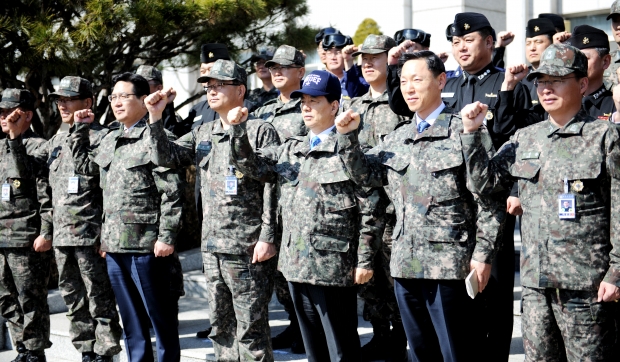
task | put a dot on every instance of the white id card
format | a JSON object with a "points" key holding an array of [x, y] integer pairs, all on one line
{"points": [[230, 185], [6, 192], [566, 206], [74, 185]]}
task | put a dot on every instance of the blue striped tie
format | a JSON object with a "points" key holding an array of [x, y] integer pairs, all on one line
{"points": [[422, 126], [314, 141]]}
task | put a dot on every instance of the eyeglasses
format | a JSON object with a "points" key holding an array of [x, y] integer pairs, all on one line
{"points": [[280, 68], [542, 84], [218, 86], [336, 41], [66, 100], [123, 97], [260, 63], [414, 35]]}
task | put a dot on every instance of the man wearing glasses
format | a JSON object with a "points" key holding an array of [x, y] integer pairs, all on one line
{"points": [[83, 278], [339, 61], [141, 213], [267, 92], [25, 229], [287, 69], [569, 263], [238, 217]]}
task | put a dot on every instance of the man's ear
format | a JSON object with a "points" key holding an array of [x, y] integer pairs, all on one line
{"points": [[160, 87], [142, 101], [29, 115], [335, 106], [583, 85]]}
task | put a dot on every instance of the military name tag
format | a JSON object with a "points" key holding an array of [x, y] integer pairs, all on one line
{"points": [[74, 185], [230, 185], [6, 192], [204, 146], [447, 95]]}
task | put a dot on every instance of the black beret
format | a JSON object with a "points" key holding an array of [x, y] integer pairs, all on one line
{"points": [[536, 27], [211, 52], [449, 32], [556, 19], [465, 23], [586, 36]]}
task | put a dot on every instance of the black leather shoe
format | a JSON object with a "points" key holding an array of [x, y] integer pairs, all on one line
{"points": [[297, 347], [100, 358], [36, 356], [88, 356], [203, 334], [22, 353]]}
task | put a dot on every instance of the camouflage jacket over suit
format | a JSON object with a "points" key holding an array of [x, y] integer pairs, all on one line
{"points": [[231, 224], [141, 202], [559, 253], [440, 225], [77, 216], [29, 212], [320, 213], [285, 117]]}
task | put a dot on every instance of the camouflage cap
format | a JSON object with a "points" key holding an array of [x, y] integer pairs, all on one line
{"points": [[287, 55], [375, 44], [559, 60], [12, 97], [226, 70], [150, 73], [614, 10], [73, 86]]}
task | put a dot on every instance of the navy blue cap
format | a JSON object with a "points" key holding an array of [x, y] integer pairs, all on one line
{"points": [[465, 23], [319, 83]]}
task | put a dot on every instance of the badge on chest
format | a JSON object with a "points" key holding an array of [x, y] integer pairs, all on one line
{"points": [[566, 203]]}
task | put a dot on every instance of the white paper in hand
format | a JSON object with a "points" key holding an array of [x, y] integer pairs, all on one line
{"points": [[471, 284]]}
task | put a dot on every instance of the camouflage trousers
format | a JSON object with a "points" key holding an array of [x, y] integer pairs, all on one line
{"points": [[24, 274], [283, 294], [566, 325], [85, 287], [238, 294], [378, 294]]}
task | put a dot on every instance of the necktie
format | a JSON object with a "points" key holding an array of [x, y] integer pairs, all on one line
{"points": [[471, 80], [422, 126], [314, 141]]}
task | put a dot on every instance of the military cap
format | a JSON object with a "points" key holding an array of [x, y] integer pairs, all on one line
{"points": [[614, 10], [559, 60], [226, 70], [318, 38], [319, 83], [375, 44], [12, 97], [536, 27], [209, 53], [73, 86], [556, 19], [465, 23], [150, 73], [586, 36], [449, 32], [287, 55], [264, 54]]}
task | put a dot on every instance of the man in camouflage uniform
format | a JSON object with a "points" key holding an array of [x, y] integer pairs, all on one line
{"points": [[25, 230], [77, 202], [287, 68], [610, 75], [377, 121], [442, 231], [268, 91], [569, 262], [238, 218], [321, 255], [141, 215]]}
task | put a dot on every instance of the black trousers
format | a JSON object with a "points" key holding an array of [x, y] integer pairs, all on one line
{"points": [[439, 320], [328, 321]]}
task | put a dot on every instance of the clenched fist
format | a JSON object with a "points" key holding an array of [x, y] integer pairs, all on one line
{"points": [[237, 115], [473, 116], [84, 116], [156, 103], [514, 74], [347, 121]]}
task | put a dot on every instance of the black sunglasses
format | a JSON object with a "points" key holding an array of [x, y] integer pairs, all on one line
{"points": [[323, 33], [414, 35], [336, 41]]}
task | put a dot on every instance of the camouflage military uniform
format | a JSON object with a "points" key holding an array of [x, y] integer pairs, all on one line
{"points": [[83, 277], [24, 273], [377, 121], [260, 96], [563, 261], [285, 117], [141, 205], [238, 291], [610, 76]]}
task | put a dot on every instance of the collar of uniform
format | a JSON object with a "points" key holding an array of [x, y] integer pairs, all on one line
{"points": [[573, 126], [439, 129], [292, 103], [597, 96], [367, 98], [136, 130], [481, 76], [616, 56], [327, 145], [217, 127]]}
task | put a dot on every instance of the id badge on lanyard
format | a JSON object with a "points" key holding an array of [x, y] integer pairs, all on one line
{"points": [[566, 203]]}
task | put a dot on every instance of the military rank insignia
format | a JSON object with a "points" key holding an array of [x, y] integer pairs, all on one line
{"points": [[577, 186], [16, 184], [489, 116], [238, 174]]}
